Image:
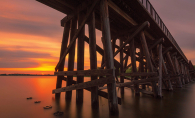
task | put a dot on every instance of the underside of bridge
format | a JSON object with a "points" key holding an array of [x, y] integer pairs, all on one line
{"points": [[145, 45]]}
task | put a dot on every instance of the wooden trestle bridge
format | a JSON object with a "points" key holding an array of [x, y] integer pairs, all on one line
{"points": [[155, 58]]}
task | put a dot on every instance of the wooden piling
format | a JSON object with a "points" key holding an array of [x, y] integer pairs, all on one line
{"points": [[63, 48], [166, 73], [71, 57], [148, 61], [80, 57], [122, 67], [112, 101], [93, 59], [134, 67]]}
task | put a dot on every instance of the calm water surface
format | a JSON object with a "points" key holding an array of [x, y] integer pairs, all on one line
{"points": [[14, 90]]}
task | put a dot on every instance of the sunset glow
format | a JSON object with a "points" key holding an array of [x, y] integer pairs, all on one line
{"points": [[31, 35]]}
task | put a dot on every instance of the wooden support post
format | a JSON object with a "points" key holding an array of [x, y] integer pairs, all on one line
{"points": [[77, 32], [125, 64], [117, 69], [93, 59], [166, 73], [80, 57], [182, 72], [63, 48], [160, 72], [148, 60], [122, 67], [134, 67], [172, 67], [185, 74], [141, 65], [71, 57], [186, 69], [112, 97], [113, 45], [177, 70]]}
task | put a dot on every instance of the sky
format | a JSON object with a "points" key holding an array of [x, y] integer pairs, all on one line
{"points": [[30, 34]]}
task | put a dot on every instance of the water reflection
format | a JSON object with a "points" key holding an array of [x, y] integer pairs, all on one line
{"points": [[14, 90]]}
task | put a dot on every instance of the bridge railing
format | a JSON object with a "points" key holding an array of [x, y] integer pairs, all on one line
{"points": [[159, 21]]}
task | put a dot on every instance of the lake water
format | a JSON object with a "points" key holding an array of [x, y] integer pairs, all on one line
{"points": [[14, 90]]}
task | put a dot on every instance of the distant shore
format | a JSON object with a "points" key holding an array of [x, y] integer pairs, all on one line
{"points": [[26, 75]]}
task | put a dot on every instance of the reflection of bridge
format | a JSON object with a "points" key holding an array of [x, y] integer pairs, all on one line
{"points": [[143, 37]]}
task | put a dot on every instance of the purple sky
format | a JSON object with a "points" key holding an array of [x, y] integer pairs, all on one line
{"points": [[31, 33]]}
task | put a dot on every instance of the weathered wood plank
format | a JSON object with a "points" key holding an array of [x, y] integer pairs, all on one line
{"points": [[122, 67], [146, 52], [80, 57], [71, 57], [148, 61], [177, 70], [172, 67], [137, 82], [122, 13], [85, 85], [166, 73], [134, 74], [160, 71], [100, 93], [105, 24], [93, 72], [63, 48], [134, 67], [93, 59]]}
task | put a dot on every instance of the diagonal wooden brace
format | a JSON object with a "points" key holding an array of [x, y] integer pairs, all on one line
{"points": [[136, 32], [77, 33], [85, 85]]}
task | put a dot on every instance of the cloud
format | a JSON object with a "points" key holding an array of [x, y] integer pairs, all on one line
{"points": [[20, 59], [30, 27], [30, 17]]}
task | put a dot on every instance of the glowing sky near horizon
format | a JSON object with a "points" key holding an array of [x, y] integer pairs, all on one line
{"points": [[30, 33]]}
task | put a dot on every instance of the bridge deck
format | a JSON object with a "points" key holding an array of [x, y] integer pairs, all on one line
{"points": [[137, 10], [161, 62]]}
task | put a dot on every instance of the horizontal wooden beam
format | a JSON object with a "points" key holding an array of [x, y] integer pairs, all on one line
{"points": [[139, 74], [129, 84], [96, 72], [88, 84], [137, 82], [100, 93]]}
